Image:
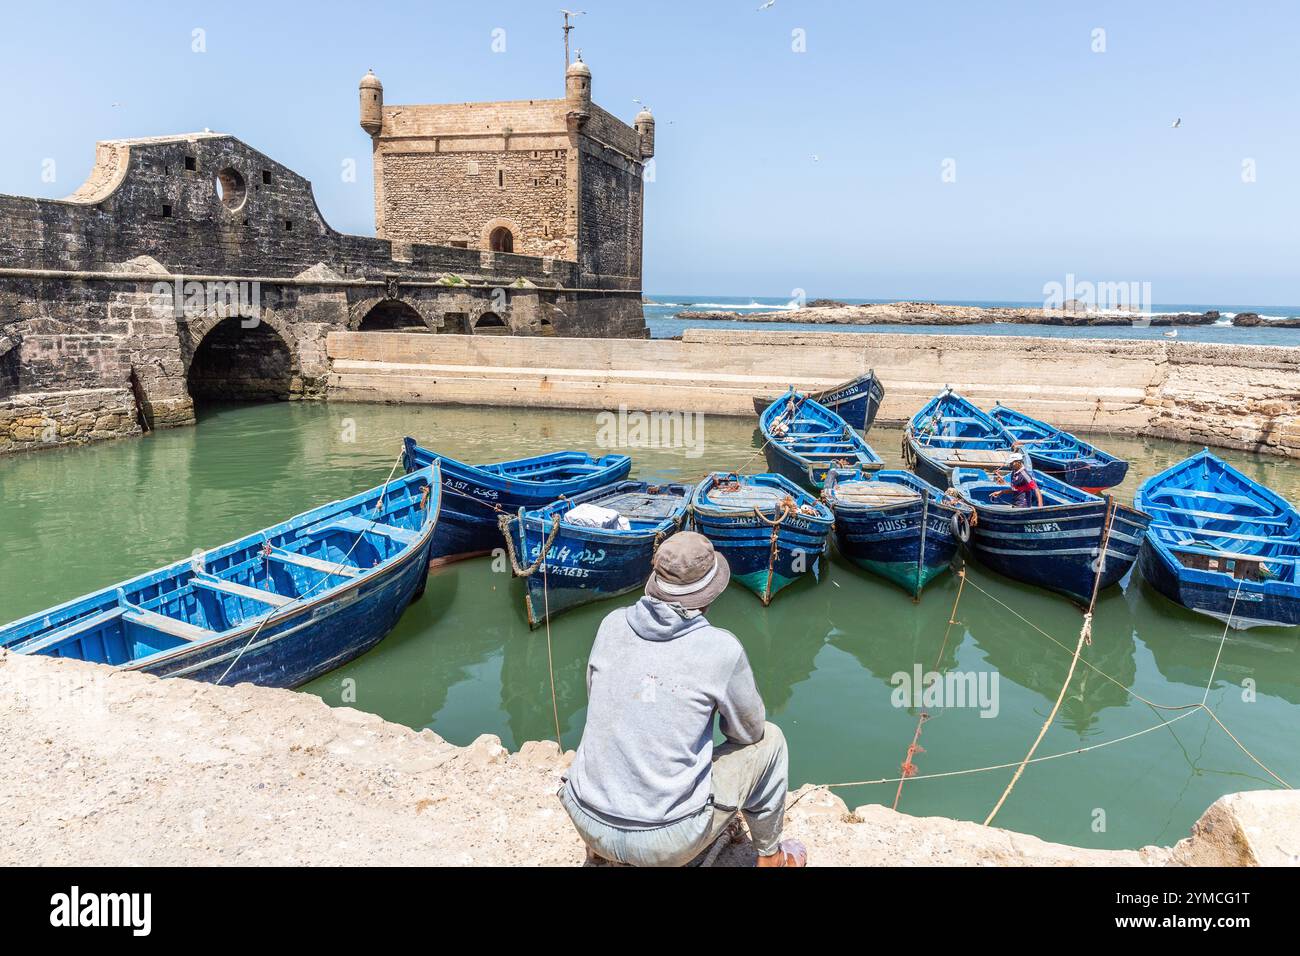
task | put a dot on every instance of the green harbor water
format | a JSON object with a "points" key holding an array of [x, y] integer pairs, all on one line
{"points": [[463, 662]]}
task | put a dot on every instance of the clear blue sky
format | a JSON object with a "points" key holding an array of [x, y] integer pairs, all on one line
{"points": [[1065, 159]]}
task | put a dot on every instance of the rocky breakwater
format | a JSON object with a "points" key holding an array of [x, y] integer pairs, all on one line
{"points": [[110, 768], [1255, 320], [827, 312]]}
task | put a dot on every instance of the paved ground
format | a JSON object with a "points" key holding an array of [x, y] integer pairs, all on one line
{"points": [[106, 768]]}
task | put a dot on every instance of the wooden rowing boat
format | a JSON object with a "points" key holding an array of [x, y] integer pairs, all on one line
{"points": [[474, 495], [770, 530], [856, 401], [1062, 455], [802, 440], [276, 608], [1222, 544]]}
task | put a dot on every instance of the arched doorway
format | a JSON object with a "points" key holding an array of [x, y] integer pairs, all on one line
{"points": [[392, 315], [234, 363], [501, 239], [489, 323]]}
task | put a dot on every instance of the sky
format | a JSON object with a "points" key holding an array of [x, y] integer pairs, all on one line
{"points": [[932, 149]]}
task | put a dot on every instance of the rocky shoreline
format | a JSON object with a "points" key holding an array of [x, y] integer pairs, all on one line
{"points": [[827, 312], [116, 768]]}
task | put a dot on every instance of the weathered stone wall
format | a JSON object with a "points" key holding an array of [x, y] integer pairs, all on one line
{"points": [[1228, 396], [80, 306], [461, 197], [611, 203]]}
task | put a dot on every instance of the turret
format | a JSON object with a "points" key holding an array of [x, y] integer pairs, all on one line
{"points": [[645, 130], [372, 104], [577, 86]]}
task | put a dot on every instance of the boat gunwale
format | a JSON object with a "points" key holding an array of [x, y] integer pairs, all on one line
{"points": [[276, 615]]}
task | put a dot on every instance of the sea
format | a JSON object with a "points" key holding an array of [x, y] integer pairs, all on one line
{"points": [[661, 312]]}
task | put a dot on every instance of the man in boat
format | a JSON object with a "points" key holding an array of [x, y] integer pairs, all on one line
{"points": [[1022, 483], [647, 787]]}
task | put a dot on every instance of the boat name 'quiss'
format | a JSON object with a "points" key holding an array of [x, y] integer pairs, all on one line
{"points": [[890, 525]]}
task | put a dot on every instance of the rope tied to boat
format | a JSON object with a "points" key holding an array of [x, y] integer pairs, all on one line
{"points": [[519, 570], [1085, 638]]}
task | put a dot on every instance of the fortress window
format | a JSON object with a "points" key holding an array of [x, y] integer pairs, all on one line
{"points": [[459, 243], [266, 177], [501, 239], [231, 189], [559, 153], [501, 177], [191, 163], [166, 211], [537, 154], [288, 225]]}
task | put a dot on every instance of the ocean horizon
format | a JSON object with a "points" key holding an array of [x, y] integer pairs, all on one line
{"points": [[661, 311]]}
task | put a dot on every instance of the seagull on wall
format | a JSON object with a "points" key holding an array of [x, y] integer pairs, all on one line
{"points": [[1176, 123]]}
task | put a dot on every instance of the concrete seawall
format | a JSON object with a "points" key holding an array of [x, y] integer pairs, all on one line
{"points": [[1233, 396], [111, 768]]}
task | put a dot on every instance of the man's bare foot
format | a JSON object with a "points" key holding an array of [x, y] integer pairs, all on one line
{"points": [[788, 853]]}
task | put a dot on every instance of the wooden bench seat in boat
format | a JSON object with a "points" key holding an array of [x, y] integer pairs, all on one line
{"points": [[316, 564], [1222, 516], [168, 625], [244, 591], [359, 524], [875, 493], [40, 642]]}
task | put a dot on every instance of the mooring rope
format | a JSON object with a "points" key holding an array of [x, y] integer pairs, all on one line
{"points": [[908, 768], [1085, 637]]}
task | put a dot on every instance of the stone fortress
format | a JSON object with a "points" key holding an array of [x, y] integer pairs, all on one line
{"points": [[193, 266]]}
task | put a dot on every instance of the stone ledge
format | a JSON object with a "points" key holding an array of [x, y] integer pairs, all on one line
{"points": [[109, 768]]}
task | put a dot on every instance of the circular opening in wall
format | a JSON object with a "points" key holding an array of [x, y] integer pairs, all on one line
{"points": [[231, 189]]}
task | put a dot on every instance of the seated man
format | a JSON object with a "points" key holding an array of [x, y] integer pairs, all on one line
{"points": [[1022, 483], [647, 787]]}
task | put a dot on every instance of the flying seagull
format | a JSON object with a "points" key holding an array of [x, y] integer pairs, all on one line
{"points": [[768, 4], [816, 158], [1177, 123]]}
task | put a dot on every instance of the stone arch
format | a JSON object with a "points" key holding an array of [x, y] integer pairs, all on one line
{"points": [[493, 227], [363, 309], [393, 315], [237, 359], [491, 323]]}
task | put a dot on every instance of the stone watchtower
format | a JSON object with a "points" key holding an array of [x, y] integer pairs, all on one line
{"points": [[557, 178]]}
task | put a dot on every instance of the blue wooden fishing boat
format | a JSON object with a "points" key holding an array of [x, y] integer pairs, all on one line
{"points": [[1055, 546], [1222, 544], [856, 401], [277, 608], [584, 562], [950, 432], [1060, 454], [473, 495], [770, 530], [896, 525], [802, 440]]}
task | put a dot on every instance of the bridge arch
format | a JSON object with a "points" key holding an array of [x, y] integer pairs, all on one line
{"points": [[387, 314], [236, 359]]}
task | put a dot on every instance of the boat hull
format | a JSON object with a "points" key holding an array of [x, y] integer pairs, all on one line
{"points": [[1241, 604], [311, 642], [473, 500], [891, 543], [277, 608], [1057, 547], [1091, 477], [585, 564], [746, 537], [857, 402]]}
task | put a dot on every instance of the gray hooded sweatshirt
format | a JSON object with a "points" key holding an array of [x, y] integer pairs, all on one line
{"points": [[655, 679]]}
